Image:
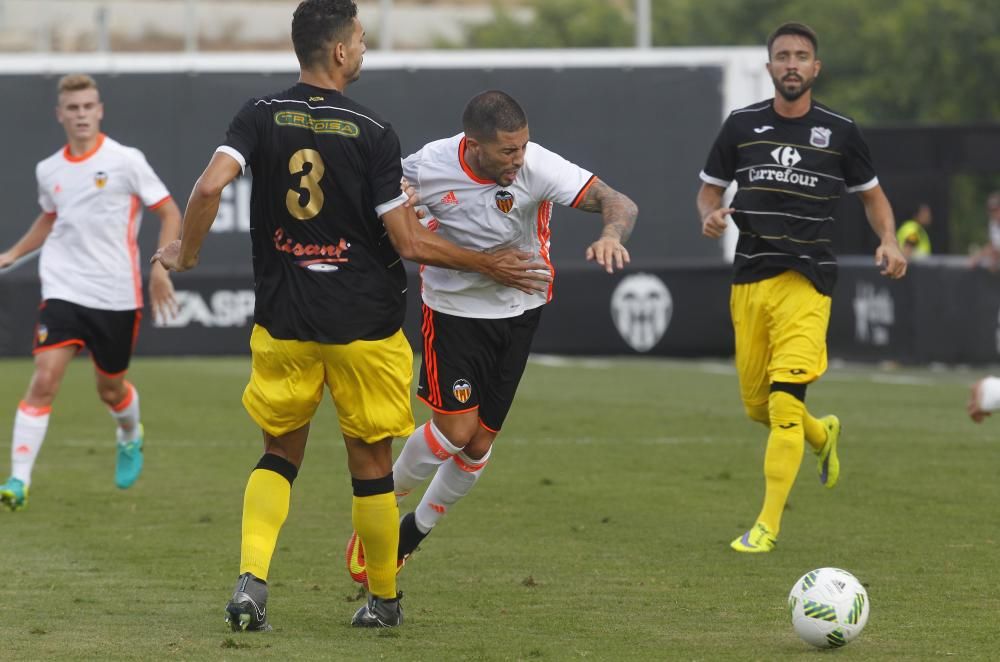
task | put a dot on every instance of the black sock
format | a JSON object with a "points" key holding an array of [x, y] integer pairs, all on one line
{"points": [[409, 535]]}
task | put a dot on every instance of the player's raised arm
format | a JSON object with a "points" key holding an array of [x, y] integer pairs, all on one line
{"points": [[202, 208], [508, 267], [619, 214]]}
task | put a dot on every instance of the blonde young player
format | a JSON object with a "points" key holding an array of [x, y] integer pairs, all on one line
{"points": [[487, 187], [91, 193]]}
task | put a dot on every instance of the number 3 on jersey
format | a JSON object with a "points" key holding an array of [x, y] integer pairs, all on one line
{"points": [[309, 163]]}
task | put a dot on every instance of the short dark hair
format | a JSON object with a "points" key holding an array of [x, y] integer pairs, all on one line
{"points": [[492, 111], [316, 23], [793, 28]]}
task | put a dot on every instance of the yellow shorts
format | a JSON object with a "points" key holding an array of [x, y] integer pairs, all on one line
{"points": [[780, 325], [369, 381]]}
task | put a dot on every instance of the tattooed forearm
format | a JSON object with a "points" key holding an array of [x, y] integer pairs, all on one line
{"points": [[617, 210]]}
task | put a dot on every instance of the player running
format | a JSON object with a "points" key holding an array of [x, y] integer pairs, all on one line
{"points": [[792, 159], [91, 193]]}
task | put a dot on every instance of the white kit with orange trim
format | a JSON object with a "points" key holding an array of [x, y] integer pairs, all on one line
{"points": [[481, 215], [91, 258]]}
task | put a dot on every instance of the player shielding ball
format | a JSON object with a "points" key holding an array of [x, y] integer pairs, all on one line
{"points": [[91, 193]]}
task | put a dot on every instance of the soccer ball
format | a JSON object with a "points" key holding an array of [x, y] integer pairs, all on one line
{"points": [[829, 607]]}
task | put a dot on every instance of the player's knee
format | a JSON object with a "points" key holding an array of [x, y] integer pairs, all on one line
{"points": [[458, 429], [43, 388], [112, 394], [758, 413], [480, 445], [786, 405]]}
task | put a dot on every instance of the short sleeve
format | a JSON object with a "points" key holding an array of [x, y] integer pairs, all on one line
{"points": [[720, 167], [556, 179], [45, 200], [859, 173], [145, 183], [385, 171], [242, 137], [411, 167]]}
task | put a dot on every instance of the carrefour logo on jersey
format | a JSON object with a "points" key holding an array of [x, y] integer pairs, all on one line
{"points": [[788, 157]]}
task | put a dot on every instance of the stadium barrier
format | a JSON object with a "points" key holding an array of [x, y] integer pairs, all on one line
{"points": [[939, 313]]}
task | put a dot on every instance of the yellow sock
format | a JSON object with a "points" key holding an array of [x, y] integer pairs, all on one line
{"points": [[265, 507], [815, 432], [376, 519], [783, 457]]}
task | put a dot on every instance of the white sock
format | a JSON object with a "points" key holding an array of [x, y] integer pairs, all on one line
{"points": [[989, 394], [126, 414], [30, 424], [452, 481], [423, 452]]}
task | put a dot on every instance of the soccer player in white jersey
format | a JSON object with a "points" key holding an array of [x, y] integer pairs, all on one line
{"points": [[486, 188], [91, 193]]}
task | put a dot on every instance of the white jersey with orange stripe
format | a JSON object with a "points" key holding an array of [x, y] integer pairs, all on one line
{"points": [[91, 257], [481, 215]]}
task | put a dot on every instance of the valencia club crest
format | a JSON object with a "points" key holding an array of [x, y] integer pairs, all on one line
{"points": [[505, 200], [462, 390]]}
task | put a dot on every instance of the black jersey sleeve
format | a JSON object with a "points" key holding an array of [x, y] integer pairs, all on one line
{"points": [[243, 135], [721, 163], [386, 168], [857, 164]]}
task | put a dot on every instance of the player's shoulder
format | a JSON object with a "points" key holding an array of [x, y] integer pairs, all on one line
{"points": [[51, 162], [541, 159], [441, 152], [364, 114], [114, 147], [829, 115], [752, 113], [536, 152]]}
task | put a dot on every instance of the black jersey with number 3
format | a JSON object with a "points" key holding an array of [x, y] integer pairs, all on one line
{"points": [[790, 172], [324, 168]]}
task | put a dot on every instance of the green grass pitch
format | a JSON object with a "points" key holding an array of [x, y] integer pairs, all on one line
{"points": [[599, 531]]}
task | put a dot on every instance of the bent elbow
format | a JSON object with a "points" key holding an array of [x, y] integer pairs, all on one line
{"points": [[408, 248], [205, 188]]}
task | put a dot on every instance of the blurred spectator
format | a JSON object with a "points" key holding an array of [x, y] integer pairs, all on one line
{"points": [[989, 255], [912, 235]]}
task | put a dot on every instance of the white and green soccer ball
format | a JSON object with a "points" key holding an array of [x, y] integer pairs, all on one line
{"points": [[829, 607]]}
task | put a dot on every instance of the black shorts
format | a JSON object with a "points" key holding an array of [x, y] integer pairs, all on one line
{"points": [[471, 362], [108, 334]]}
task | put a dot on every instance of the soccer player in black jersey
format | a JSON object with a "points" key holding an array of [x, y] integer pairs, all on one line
{"points": [[791, 158], [329, 223]]}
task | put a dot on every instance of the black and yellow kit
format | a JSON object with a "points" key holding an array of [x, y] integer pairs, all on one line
{"points": [[791, 173], [323, 166]]}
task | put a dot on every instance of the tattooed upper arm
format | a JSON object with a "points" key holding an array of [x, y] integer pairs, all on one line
{"points": [[595, 195], [618, 210]]}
